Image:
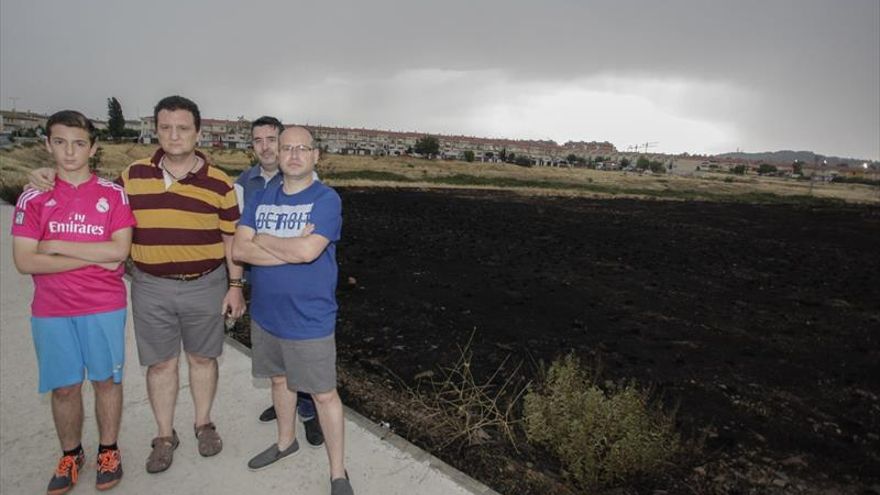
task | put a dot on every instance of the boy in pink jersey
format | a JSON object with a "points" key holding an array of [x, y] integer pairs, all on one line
{"points": [[73, 240]]}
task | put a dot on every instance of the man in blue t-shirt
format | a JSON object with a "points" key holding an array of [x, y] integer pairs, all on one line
{"points": [[264, 138], [288, 235]]}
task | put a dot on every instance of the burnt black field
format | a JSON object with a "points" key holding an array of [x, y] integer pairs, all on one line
{"points": [[760, 323]]}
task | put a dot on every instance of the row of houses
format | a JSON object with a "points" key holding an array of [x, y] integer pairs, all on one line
{"points": [[392, 143], [12, 121], [372, 142], [215, 133], [220, 133], [16, 121]]}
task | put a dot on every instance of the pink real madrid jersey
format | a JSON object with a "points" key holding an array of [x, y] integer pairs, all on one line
{"points": [[90, 212]]}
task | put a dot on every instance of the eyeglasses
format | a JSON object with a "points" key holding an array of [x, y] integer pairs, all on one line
{"points": [[299, 148]]}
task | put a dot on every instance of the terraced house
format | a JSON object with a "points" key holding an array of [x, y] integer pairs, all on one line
{"points": [[392, 143], [374, 142], [216, 133], [12, 120]]}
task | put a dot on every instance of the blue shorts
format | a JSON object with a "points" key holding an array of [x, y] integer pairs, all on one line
{"points": [[67, 346]]}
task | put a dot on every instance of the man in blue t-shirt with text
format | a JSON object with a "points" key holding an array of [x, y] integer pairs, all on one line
{"points": [[265, 132], [288, 235]]}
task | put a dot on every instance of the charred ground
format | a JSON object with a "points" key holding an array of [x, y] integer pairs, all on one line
{"points": [[760, 322]]}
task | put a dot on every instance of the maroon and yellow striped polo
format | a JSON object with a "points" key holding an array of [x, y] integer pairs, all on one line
{"points": [[179, 230]]}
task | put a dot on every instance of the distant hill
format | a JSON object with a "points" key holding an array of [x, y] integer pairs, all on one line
{"points": [[788, 156]]}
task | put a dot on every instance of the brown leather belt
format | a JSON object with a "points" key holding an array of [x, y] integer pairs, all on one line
{"points": [[189, 277]]}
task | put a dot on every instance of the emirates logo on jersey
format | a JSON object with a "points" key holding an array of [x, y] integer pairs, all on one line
{"points": [[103, 206], [76, 224]]}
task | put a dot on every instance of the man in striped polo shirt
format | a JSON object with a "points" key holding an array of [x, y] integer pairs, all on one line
{"points": [[186, 213]]}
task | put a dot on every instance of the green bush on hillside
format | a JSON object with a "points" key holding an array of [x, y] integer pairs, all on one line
{"points": [[601, 437]]}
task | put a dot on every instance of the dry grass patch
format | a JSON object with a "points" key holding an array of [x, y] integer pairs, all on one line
{"points": [[370, 171], [17, 160], [460, 408], [365, 171], [601, 436]]}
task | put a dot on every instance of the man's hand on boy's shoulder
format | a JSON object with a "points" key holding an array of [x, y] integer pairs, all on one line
{"points": [[41, 179]]}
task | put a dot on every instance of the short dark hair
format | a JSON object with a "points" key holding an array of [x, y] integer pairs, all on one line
{"points": [[172, 103], [72, 118], [267, 120]]}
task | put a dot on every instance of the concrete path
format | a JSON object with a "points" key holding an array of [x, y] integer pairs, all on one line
{"points": [[378, 461]]}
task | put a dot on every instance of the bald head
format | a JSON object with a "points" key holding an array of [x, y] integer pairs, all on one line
{"points": [[296, 135], [298, 155]]}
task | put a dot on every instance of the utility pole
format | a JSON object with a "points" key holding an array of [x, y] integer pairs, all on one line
{"points": [[636, 147], [813, 175], [642, 146]]}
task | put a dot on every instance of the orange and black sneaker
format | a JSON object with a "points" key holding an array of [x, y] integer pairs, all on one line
{"points": [[66, 474], [109, 469]]}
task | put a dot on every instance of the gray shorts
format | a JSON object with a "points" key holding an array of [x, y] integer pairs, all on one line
{"points": [[167, 312], [309, 365]]}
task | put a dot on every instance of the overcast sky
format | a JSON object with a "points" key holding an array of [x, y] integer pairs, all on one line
{"points": [[700, 76]]}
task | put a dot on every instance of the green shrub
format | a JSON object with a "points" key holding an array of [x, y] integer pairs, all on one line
{"points": [[601, 437], [767, 169]]}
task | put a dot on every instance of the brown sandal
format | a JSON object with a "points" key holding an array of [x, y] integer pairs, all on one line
{"points": [[209, 440], [163, 453]]}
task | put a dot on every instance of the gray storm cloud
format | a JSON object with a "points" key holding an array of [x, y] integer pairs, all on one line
{"points": [[699, 76]]}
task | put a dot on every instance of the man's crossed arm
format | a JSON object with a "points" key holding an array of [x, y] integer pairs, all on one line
{"points": [[116, 249], [268, 250], [35, 257]]}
